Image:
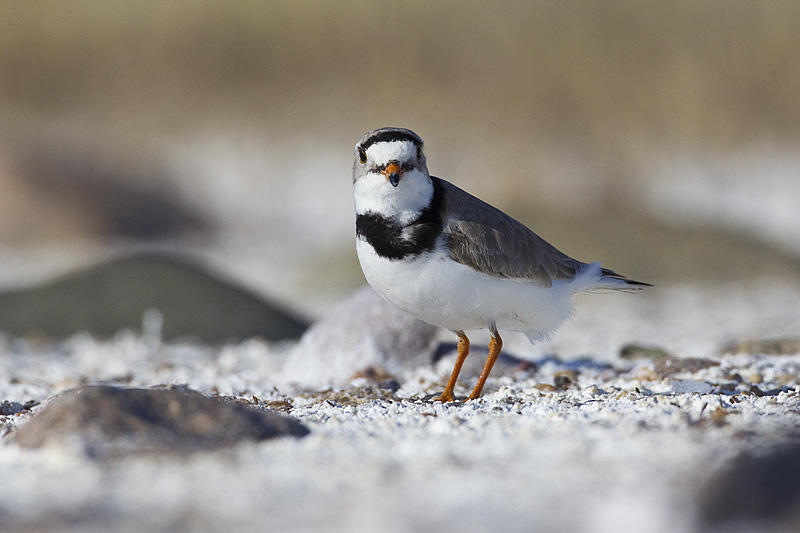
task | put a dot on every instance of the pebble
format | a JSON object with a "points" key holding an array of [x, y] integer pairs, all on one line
{"points": [[686, 386], [10, 408], [564, 379], [646, 374], [638, 351], [718, 416], [675, 365]]}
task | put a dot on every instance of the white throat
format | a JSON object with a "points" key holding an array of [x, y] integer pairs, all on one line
{"points": [[374, 194]]}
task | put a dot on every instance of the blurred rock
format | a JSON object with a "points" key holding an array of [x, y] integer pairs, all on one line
{"points": [[754, 493], [52, 190], [364, 333], [107, 421], [565, 379], [669, 366], [10, 408], [637, 351], [688, 386], [779, 346], [786, 378], [110, 296]]}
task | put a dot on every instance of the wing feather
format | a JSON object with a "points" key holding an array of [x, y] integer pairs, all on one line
{"points": [[486, 239]]}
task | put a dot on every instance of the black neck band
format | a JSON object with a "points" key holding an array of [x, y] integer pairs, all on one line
{"points": [[392, 240]]}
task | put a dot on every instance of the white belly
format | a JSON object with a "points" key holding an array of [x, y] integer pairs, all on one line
{"points": [[454, 296]]}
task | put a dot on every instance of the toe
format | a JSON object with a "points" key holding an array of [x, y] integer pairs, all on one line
{"points": [[446, 397]]}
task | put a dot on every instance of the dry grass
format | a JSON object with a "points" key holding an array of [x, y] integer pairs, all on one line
{"points": [[600, 75]]}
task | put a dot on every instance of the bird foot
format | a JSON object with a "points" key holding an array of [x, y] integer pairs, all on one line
{"points": [[446, 396]]}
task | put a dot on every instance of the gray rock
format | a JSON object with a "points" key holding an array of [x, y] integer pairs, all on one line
{"points": [[754, 492], [116, 294], [778, 346], [107, 421], [10, 408], [687, 386], [363, 332], [669, 366]]}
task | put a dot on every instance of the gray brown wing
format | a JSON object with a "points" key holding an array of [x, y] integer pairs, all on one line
{"points": [[486, 239]]}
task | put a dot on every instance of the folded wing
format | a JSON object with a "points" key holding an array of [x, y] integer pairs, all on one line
{"points": [[486, 239]]}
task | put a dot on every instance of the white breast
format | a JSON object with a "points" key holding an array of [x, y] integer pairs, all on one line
{"points": [[440, 291]]}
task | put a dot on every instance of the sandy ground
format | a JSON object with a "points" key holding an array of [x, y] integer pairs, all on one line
{"points": [[623, 446]]}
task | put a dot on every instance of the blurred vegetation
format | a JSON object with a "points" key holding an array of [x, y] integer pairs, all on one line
{"points": [[599, 74], [192, 303], [507, 95]]}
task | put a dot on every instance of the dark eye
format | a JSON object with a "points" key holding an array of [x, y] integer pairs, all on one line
{"points": [[362, 155]]}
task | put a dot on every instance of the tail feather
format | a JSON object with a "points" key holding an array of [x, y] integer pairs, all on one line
{"points": [[632, 283], [607, 279]]}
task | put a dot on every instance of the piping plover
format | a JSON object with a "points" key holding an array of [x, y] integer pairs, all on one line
{"points": [[454, 261]]}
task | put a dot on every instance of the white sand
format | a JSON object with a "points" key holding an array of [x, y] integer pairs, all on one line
{"points": [[617, 452]]}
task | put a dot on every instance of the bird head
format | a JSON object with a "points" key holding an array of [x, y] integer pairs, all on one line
{"points": [[390, 173]]}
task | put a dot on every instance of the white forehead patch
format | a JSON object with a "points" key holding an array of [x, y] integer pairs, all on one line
{"points": [[383, 152]]}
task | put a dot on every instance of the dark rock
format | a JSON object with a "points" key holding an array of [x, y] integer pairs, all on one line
{"points": [[754, 493], [726, 387], [669, 366], [110, 296], [564, 379], [379, 377], [562, 382], [109, 421], [736, 377], [10, 408], [779, 346], [638, 351], [30, 404], [391, 385]]}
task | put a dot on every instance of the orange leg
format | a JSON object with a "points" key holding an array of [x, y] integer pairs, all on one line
{"points": [[495, 345], [463, 352]]}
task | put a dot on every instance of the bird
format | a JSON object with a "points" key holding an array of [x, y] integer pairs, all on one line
{"points": [[454, 261]]}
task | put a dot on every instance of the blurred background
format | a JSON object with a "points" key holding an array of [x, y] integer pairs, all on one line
{"points": [[660, 138]]}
